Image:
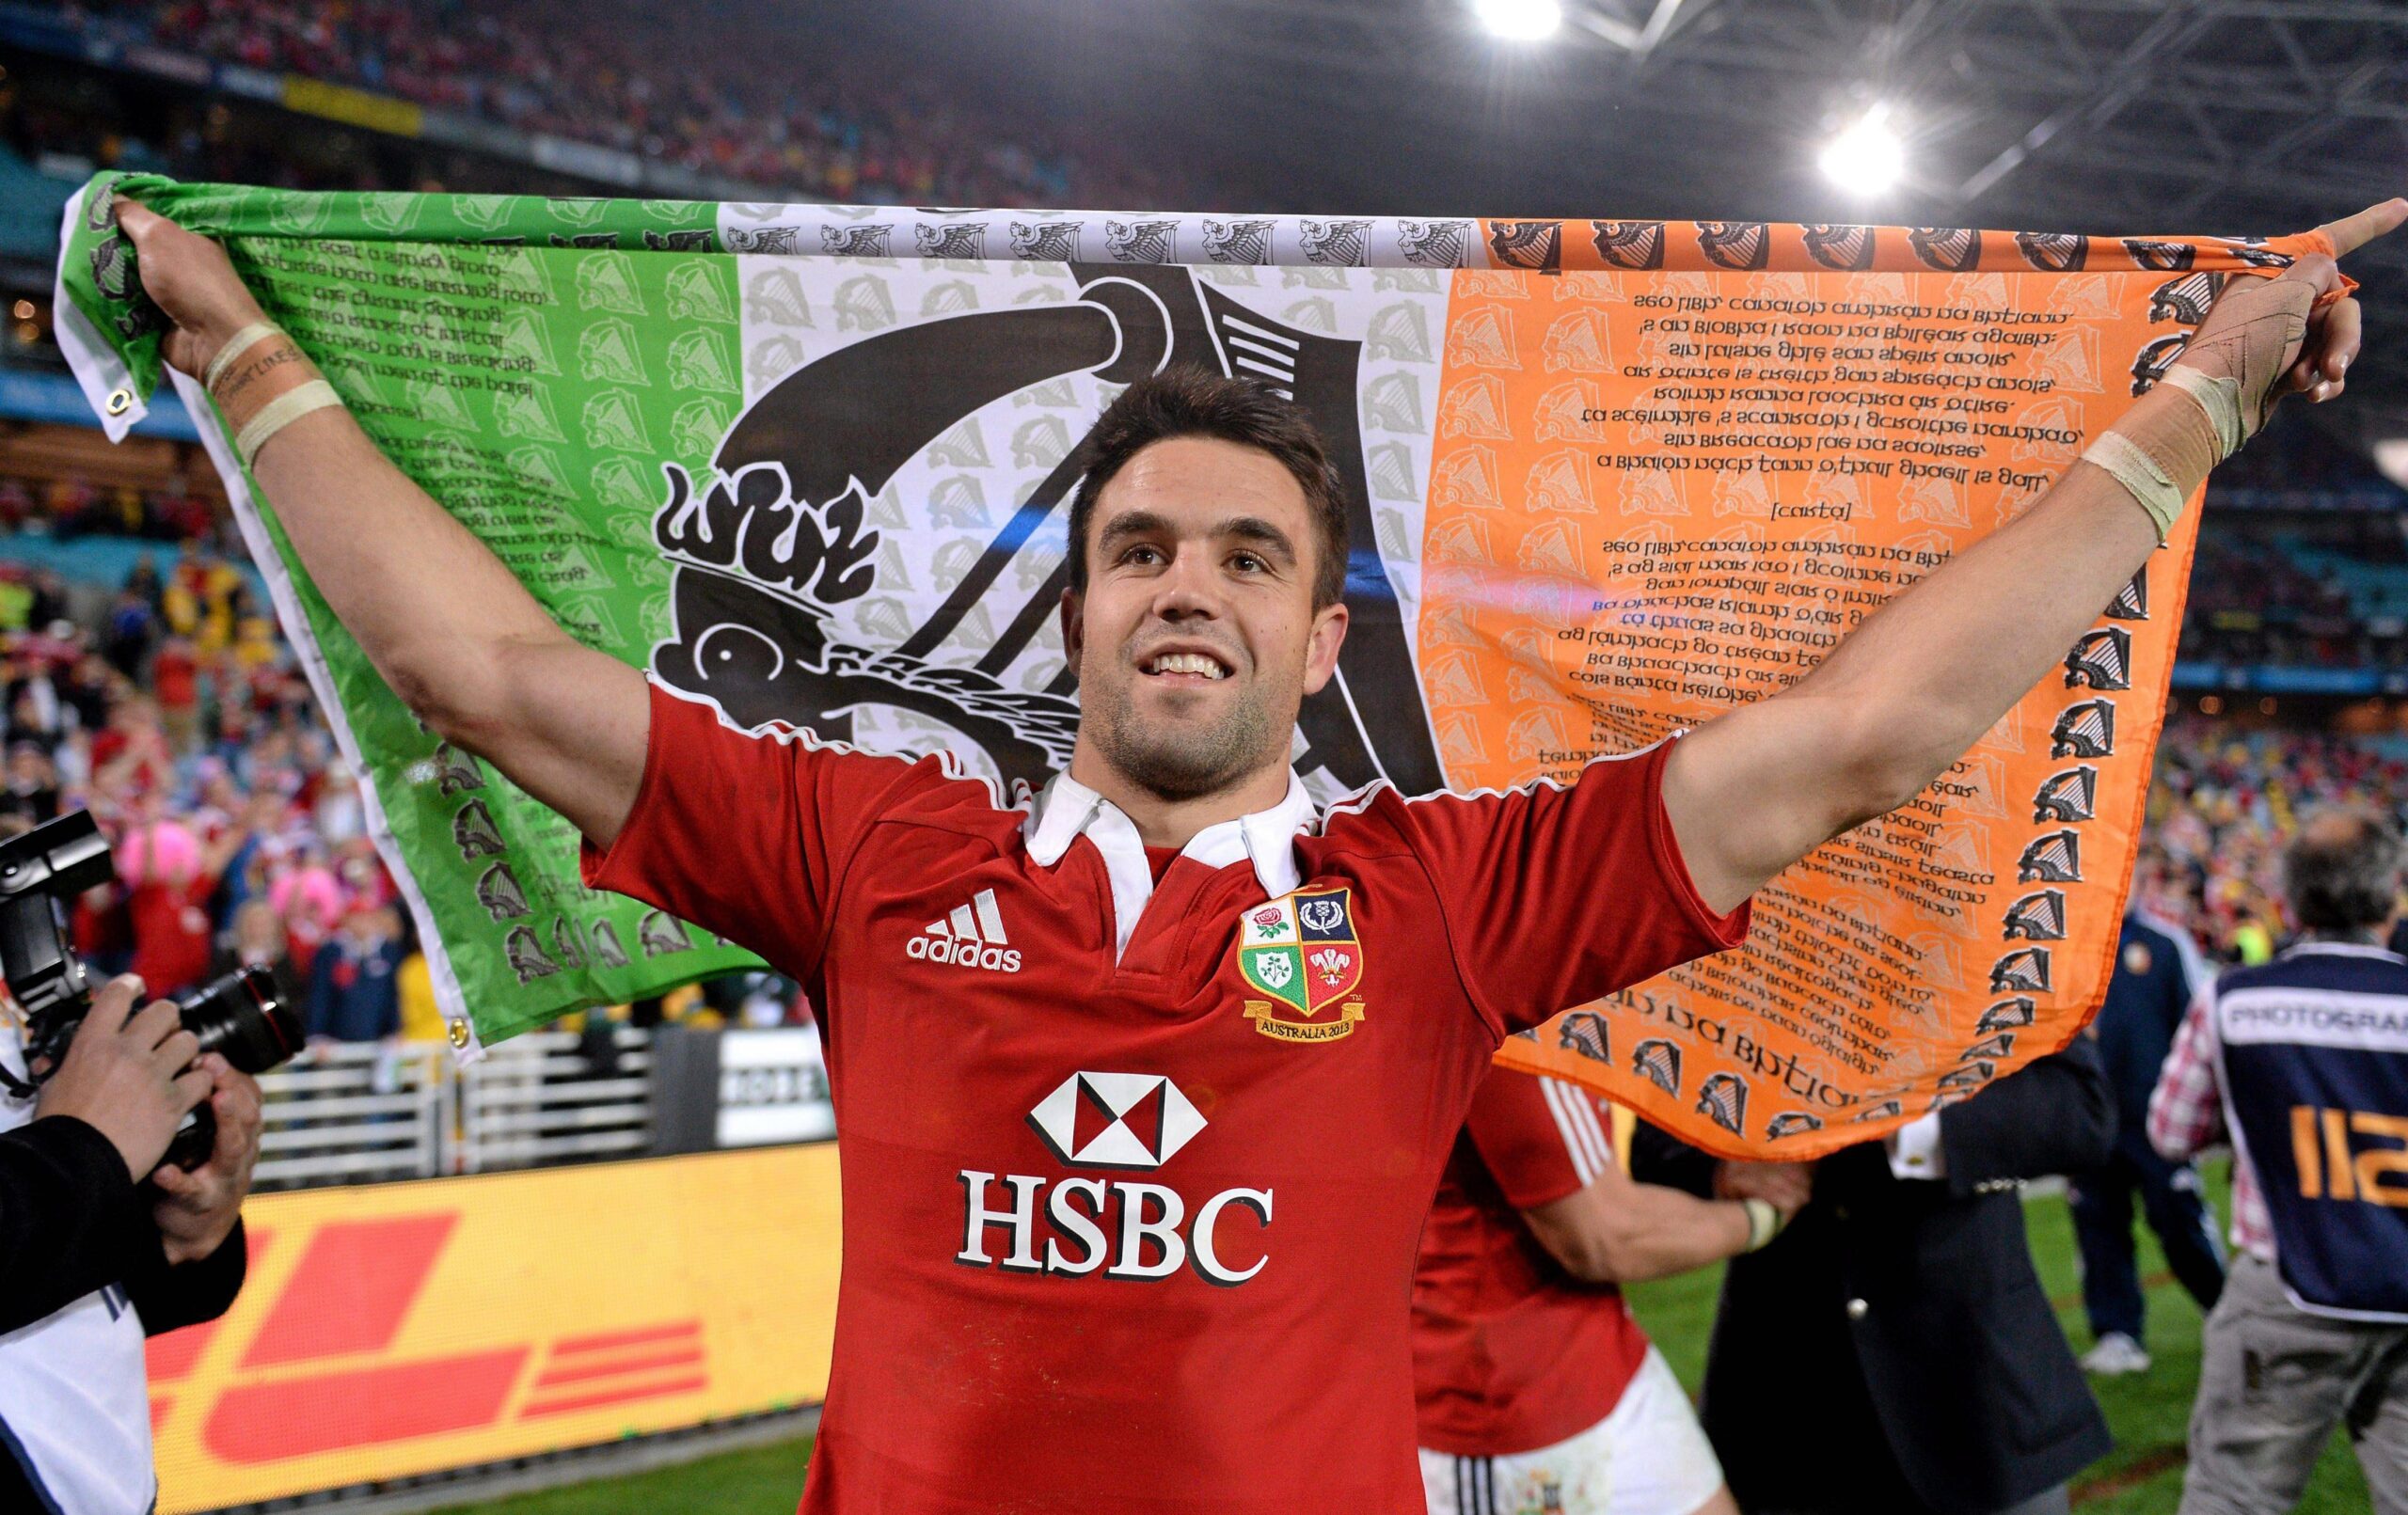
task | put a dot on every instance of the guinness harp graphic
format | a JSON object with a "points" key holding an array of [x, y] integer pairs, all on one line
{"points": [[1724, 1099], [2025, 971], [2101, 660], [2039, 916], [2007, 1014], [2131, 602], [2084, 731], [2053, 858], [1584, 1032], [1660, 1062], [1792, 1123], [1969, 1078], [2066, 797]]}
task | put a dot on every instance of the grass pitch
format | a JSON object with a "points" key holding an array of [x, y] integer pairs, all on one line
{"points": [[2143, 1476]]}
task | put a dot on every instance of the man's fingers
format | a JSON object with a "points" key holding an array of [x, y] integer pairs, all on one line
{"points": [[136, 220], [2351, 232], [2341, 330], [179, 1050], [2317, 272], [115, 1003], [155, 1023], [192, 1088], [237, 1098], [170, 1179]]}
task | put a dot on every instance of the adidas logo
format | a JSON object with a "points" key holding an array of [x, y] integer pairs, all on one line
{"points": [[971, 936]]}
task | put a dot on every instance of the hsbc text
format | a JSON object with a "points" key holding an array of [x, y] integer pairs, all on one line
{"points": [[1074, 1226]]}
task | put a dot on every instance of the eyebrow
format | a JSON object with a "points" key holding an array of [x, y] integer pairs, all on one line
{"points": [[1253, 528], [1256, 529]]}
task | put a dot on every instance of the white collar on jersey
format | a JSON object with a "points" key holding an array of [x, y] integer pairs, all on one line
{"points": [[2342, 949], [1066, 809]]}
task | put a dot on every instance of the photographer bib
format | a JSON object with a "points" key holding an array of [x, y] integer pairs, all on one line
{"points": [[74, 1406]]}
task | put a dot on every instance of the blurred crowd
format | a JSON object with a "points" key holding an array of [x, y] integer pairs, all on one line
{"points": [[658, 85], [2225, 802], [174, 710], [2325, 591], [240, 835]]}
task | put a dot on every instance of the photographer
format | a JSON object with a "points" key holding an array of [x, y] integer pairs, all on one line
{"points": [[98, 1250]]}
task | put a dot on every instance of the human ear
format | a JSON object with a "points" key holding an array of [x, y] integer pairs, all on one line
{"points": [[1322, 644], [1073, 627]]}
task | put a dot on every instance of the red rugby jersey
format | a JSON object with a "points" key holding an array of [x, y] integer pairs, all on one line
{"points": [[1511, 1353], [1133, 1172]]}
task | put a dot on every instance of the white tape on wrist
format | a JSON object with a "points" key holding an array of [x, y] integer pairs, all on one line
{"points": [[1764, 1222], [2220, 399], [236, 345], [281, 412], [2140, 477]]}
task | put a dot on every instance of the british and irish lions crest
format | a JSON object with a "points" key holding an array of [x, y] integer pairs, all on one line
{"points": [[1301, 950], [777, 536]]}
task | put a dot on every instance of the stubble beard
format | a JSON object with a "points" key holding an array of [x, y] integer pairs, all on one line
{"points": [[1179, 763]]}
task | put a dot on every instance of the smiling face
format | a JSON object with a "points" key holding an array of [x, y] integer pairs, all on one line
{"points": [[1196, 639]]}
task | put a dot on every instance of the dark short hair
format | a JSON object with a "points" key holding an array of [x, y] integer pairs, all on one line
{"points": [[2342, 871], [1193, 401]]}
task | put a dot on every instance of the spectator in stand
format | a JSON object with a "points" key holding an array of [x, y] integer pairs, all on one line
{"points": [[258, 941], [31, 792], [175, 683], [628, 79], [169, 876], [421, 1015], [131, 626], [310, 898], [143, 582], [355, 995]]}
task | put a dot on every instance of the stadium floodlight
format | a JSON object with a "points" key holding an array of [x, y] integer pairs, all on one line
{"points": [[1867, 158], [1520, 21]]}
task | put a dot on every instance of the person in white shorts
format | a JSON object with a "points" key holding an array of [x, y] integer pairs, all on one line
{"points": [[1537, 1392]]}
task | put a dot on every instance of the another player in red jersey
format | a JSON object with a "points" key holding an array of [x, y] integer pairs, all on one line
{"points": [[1537, 1391], [1134, 1167]]}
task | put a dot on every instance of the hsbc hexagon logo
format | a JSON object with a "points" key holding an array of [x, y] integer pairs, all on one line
{"points": [[1115, 1120]]}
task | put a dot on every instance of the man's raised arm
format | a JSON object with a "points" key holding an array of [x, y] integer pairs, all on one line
{"points": [[455, 633], [1909, 692]]}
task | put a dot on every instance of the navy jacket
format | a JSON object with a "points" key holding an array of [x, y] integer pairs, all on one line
{"points": [[1904, 1317], [2158, 972]]}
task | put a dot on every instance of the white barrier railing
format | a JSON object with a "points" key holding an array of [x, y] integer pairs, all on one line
{"points": [[355, 1114], [372, 1113], [539, 1099]]}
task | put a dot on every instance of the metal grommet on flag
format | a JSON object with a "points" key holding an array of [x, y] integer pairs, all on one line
{"points": [[120, 401]]}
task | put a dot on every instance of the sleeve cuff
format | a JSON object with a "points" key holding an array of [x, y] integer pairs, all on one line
{"points": [[595, 864], [79, 1143], [1915, 1153]]}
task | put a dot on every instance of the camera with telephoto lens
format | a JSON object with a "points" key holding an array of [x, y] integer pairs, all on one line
{"points": [[241, 1017]]}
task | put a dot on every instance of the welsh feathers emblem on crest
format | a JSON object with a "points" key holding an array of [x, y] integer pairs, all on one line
{"points": [[1301, 950]]}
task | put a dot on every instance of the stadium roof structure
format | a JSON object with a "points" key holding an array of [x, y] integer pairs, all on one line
{"points": [[2232, 116]]}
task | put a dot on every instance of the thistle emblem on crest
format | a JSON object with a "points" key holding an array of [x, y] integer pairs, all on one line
{"points": [[1301, 950]]}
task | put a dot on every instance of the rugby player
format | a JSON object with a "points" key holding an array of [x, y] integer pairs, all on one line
{"points": [[1123, 1230], [1537, 1390]]}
